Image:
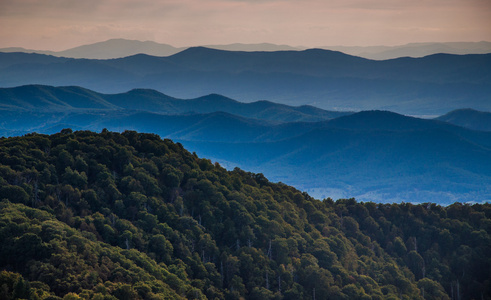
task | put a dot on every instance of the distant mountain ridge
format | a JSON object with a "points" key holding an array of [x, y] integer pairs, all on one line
{"points": [[468, 118], [63, 99], [427, 160], [113, 48], [370, 155], [117, 48], [331, 80], [415, 49]]}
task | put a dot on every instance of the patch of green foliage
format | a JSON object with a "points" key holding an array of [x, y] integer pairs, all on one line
{"points": [[130, 216]]}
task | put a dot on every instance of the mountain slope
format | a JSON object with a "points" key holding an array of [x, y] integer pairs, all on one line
{"points": [[429, 160], [48, 98], [176, 217], [389, 121], [130, 216], [468, 118]]}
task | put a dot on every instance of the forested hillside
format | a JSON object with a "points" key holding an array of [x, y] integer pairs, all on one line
{"points": [[131, 216]]}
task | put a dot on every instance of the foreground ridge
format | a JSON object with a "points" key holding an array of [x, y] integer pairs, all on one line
{"points": [[131, 216]]}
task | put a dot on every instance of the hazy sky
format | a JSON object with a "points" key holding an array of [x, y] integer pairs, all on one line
{"points": [[62, 24]]}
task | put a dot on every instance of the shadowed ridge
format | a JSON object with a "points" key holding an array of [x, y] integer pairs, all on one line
{"points": [[468, 118], [46, 98], [215, 97], [383, 120], [145, 100], [200, 51], [313, 52], [42, 97], [114, 48], [15, 58], [310, 61]]}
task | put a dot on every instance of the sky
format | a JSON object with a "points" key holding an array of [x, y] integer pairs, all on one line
{"points": [[62, 24]]}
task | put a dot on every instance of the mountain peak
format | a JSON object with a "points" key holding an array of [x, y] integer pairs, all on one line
{"points": [[141, 91], [198, 51]]}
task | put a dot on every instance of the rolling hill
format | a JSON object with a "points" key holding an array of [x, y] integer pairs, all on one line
{"points": [[370, 155], [432, 85], [68, 99]]}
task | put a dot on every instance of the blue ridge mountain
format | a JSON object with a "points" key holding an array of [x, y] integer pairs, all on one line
{"points": [[116, 48], [405, 159], [64, 99], [431, 85], [468, 118], [370, 155]]}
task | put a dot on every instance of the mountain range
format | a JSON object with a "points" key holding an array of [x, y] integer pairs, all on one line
{"points": [[414, 49], [370, 155], [128, 213], [117, 48], [432, 85], [65, 99]]}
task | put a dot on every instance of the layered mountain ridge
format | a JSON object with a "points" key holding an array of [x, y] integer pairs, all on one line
{"points": [[115, 48], [331, 80], [370, 155]]}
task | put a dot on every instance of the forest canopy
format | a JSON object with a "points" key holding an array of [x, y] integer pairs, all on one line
{"points": [[131, 216]]}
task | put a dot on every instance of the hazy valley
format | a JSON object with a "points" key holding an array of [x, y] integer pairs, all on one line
{"points": [[372, 156]]}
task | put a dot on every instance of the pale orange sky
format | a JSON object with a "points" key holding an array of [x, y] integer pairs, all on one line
{"points": [[62, 24]]}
